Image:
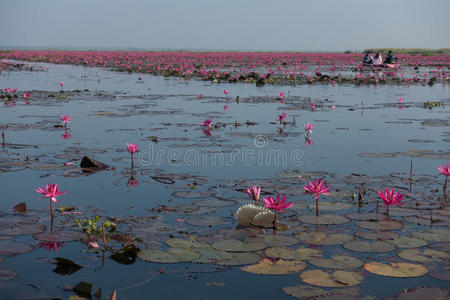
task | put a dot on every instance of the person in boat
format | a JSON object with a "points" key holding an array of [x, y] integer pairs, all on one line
{"points": [[367, 59], [390, 59], [378, 59]]}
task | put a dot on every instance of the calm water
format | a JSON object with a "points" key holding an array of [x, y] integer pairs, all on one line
{"points": [[170, 109]]}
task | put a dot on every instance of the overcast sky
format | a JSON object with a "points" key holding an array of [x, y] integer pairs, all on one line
{"points": [[225, 24]]}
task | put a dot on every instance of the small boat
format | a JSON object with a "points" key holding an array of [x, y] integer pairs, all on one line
{"points": [[380, 66]]}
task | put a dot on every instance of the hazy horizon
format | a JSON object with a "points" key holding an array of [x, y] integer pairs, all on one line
{"points": [[224, 26]]}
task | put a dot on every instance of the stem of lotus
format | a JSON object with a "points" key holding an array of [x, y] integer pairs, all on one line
{"points": [[317, 207], [445, 184], [132, 162], [51, 215], [275, 220], [387, 211], [104, 235]]}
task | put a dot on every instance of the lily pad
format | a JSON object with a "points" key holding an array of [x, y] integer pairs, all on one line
{"points": [[401, 269], [339, 262], [336, 279], [298, 254], [322, 238], [425, 255], [211, 256], [325, 219], [13, 248], [323, 205], [172, 255], [409, 242], [263, 219], [207, 221], [275, 267], [273, 240], [311, 292], [21, 228], [381, 225], [423, 293], [192, 194], [238, 246], [182, 243], [366, 217], [240, 259], [435, 235], [369, 246], [7, 275], [435, 220], [377, 235], [247, 212], [60, 236]]}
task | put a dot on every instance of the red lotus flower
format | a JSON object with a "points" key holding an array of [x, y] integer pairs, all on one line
{"points": [[277, 204], [51, 191], [317, 188], [254, 193]]}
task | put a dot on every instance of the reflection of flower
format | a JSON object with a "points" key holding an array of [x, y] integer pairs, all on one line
{"points": [[51, 245], [132, 181], [308, 141], [281, 117], [207, 132], [66, 136], [207, 123]]}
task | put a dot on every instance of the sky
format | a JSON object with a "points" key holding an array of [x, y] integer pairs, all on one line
{"points": [[290, 25]]}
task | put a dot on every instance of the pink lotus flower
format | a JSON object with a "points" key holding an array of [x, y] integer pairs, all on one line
{"points": [[313, 106], [26, 95], [47, 245], [308, 128], [389, 198], [201, 96], [400, 99], [226, 92], [281, 95], [282, 117], [254, 193], [93, 244], [51, 191], [13, 90], [7, 90], [207, 123], [225, 107], [317, 187], [446, 172], [277, 205], [61, 84], [65, 119], [132, 148]]}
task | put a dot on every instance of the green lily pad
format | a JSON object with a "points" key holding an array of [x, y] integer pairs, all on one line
{"points": [[323, 205], [380, 225], [435, 235], [189, 194], [325, 219], [336, 279], [15, 229], [322, 238], [311, 292], [279, 267], [238, 246], [273, 240], [369, 246], [377, 235], [240, 259], [339, 262], [207, 221], [247, 212], [409, 242], [263, 219], [424, 255], [366, 216], [172, 255], [13, 248], [401, 269], [60, 236]]}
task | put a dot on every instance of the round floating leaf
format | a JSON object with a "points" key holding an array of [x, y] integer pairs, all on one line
{"points": [[60, 236], [192, 194], [409, 242], [303, 253], [381, 225], [435, 220], [423, 293], [322, 238], [207, 221], [337, 279], [340, 262], [240, 259], [21, 228], [435, 235], [211, 256], [247, 212], [279, 252], [278, 267], [273, 240], [181, 243], [377, 235], [172, 255], [396, 269], [425, 255], [213, 203], [369, 246], [440, 271], [323, 205], [238, 246], [306, 291], [13, 248], [263, 219], [325, 219], [366, 217], [7, 275]]}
